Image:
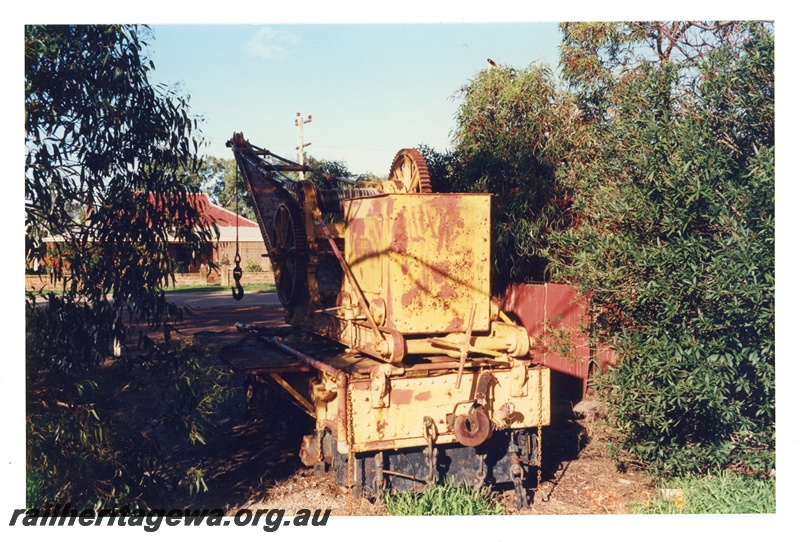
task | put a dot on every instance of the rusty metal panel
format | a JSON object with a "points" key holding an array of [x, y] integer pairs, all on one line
{"points": [[426, 256], [411, 399], [556, 317], [367, 252]]}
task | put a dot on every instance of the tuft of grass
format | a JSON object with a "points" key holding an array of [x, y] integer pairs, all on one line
{"points": [[726, 493], [445, 500]]}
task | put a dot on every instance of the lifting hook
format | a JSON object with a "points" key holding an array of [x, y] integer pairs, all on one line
{"points": [[238, 291]]}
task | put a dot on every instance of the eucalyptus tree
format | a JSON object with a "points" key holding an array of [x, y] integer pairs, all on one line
{"points": [[675, 238], [110, 161], [515, 128], [111, 165]]}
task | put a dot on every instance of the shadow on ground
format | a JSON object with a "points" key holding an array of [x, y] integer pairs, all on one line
{"points": [[251, 459]]}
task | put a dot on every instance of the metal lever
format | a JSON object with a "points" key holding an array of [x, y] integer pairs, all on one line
{"points": [[465, 346]]}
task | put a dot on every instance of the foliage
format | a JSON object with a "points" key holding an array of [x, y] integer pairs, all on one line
{"points": [[444, 500], [195, 480], [650, 185], [675, 241], [253, 266], [597, 57], [111, 167], [75, 454], [725, 493], [199, 388], [326, 171], [99, 438], [226, 186], [109, 162], [515, 128]]}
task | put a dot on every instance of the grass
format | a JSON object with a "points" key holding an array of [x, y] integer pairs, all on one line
{"points": [[445, 500], [257, 288], [727, 493], [253, 288]]}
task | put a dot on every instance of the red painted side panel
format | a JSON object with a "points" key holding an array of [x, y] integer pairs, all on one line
{"points": [[556, 317]]}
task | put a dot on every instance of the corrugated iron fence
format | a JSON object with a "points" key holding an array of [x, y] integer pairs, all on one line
{"points": [[558, 318]]}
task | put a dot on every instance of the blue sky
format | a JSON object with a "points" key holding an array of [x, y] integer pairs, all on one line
{"points": [[371, 89]]}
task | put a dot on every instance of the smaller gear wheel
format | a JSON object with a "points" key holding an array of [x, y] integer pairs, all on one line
{"points": [[411, 170]]}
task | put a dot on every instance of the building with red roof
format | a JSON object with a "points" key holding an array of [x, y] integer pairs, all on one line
{"points": [[230, 225], [222, 250]]}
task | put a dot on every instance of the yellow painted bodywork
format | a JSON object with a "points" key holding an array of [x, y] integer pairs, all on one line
{"points": [[427, 257], [416, 265], [400, 278], [398, 422]]}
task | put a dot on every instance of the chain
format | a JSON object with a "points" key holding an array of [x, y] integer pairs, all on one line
{"points": [[431, 453], [539, 438], [236, 199], [480, 476], [351, 455], [517, 477], [378, 481], [238, 291], [539, 429], [320, 438]]}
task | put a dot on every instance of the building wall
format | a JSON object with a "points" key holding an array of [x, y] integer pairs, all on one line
{"points": [[250, 251], [248, 277]]}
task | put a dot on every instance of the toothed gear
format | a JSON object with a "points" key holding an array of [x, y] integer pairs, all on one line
{"points": [[289, 253], [410, 168]]}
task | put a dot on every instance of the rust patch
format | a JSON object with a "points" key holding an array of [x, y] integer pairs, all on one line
{"points": [[379, 445], [400, 233], [440, 271], [401, 397], [424, 396], [356, 227], [456, 324], [409, 297], [445, 218]]}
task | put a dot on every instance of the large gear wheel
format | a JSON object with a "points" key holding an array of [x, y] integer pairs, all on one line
{"points": [[411, 170], [289, 253]]}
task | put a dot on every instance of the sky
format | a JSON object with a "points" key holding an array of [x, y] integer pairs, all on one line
{"points": [[371, 89]]}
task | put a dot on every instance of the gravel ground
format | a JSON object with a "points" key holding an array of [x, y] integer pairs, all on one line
{"points": [[252, 458]]}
